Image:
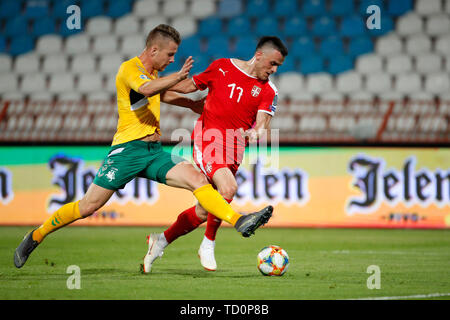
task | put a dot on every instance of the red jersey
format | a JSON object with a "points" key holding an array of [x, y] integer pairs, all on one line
{"points": [[234, 97]]}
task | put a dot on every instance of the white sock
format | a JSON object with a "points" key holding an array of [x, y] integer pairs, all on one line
{"points": [[162, 240]]}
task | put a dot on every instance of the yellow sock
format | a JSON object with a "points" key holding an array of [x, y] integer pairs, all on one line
{"points": [[68, 213], [213, 202]]}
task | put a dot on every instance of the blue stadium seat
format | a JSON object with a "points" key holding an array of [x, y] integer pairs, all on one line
{"points": [[66, 32], [218, 46], [366, 3], [324, 26], [229, 8], [352, 26], [267, 26], [257, 8], [201, 62], [10, 8], [191, 46], [118, 8], [173, 67], [311, 64], [2, 44], [238, 26], [36, 9], [285, 8], [43, 26], [338, 64], [360, 45], [60, 7], [387, 25], [342, 7], [302, 47], [92, 8], [16, 26], [331, 46], [210, 26], [295, 27], [244, 47], [313, 8], [399, 7], [289, 65], [21, 44]]}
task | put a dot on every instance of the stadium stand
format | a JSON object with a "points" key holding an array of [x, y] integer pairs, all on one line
{"points": [[342, 82]]}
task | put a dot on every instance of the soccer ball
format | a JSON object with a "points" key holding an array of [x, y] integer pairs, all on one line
{"points": [[273, 261]]}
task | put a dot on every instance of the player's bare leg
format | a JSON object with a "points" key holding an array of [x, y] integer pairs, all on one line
{"points": [[93, 200]]}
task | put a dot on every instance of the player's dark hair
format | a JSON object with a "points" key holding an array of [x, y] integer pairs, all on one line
{"points": [[163, 31], [273, 42]]}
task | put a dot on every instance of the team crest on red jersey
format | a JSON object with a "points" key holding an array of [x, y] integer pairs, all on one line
{"points": [[255, 91]]}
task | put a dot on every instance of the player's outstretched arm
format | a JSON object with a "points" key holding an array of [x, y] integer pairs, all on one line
{"points": [[159, 85], [177, 99], [185, 86]]}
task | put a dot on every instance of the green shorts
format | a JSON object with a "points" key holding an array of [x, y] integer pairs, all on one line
{"points": [[132, 159]]}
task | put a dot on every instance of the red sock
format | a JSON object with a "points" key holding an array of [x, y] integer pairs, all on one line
{"points": [[186, 222], [212, 225]]}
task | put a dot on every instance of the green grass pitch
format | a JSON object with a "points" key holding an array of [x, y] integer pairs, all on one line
{"points": [[324, 264]]}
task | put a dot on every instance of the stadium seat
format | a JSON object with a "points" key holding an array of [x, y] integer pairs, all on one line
{"points": [[342, 7], [5, 63], [33, 82], [289, 65], [265, 26], [418, 44], [8, 83], [331, 46], [61, 82], [27, 63], [218, 46], [21, 44], [2, 44], [389, 45], [104, 44], [399, 7], [378, 83], [311, 64], [319, 83], [173, 8], [289, 83], [92, 8], [98, 26], [229, 8], [313, 8], [339, 63], [302, 46], [285, 8], [145, 8], [89, 82], [118, 8], [126, 25], [200, 65], [237, 26], [369, 63], [397, 64], [10, 8], [150, 23], [364, 4], [360, 45], [202, 8], [348, 82], [352, 26], [409, 24], [185, 25], [16, 26], [443, 45], [36, 9], [77, 44], [43, 26], [295, 27], [210, 26], [257, 8], [438, 24], [59, 8], [84, 62], [386, 26], [244, 47], [437, 83], [324, 26], [54, 63], [408, 83], [109, 63], [428, 7], [190, 46], [428, 63]]}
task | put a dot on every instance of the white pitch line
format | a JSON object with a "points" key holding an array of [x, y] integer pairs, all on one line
{"points": [[417, 296]]}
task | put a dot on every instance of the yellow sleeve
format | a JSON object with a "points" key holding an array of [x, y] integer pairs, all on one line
{"points": [[132, 75]]}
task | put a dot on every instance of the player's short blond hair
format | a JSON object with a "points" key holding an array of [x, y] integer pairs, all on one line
{"points": [[162, 31]]}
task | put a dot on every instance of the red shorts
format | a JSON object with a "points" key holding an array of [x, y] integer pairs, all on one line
{"points": [[210, 156]]}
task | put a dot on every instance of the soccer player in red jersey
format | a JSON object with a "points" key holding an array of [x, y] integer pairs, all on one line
{"points": [[238, 109]]}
